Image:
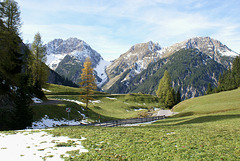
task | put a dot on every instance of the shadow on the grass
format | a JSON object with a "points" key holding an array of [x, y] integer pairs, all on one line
{"points": [[175, 121], [212, 118]]}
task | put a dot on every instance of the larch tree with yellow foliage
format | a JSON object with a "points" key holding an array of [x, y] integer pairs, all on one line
{"points": [[88, 81]]}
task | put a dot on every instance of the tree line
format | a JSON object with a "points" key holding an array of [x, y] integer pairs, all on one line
{"points": [[22, 70], [229, 80]]}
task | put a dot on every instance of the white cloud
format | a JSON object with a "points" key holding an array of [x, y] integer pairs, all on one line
{"points": [[112, 27]]}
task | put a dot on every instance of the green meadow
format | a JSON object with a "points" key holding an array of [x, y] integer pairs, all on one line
{"points": [[104, 106], [207, 128]]}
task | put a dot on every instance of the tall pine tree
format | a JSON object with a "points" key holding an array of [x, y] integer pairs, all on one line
{"points": [[166, 93], [164, 86], [10, 25], [170, 98], [209, 89], [236, 71], [178, 97], [11, 16], [39, 71]]}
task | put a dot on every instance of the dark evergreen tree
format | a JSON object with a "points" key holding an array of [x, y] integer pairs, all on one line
{"points": [[178, 97], [15, 112], [209, 90], [11, 16], [170, 98], [236, 71], [231, 78], [11, 57], [6, 119], [220, 81], [23, 115]]}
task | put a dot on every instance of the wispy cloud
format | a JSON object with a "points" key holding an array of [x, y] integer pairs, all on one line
{"points": [[111, 27]]}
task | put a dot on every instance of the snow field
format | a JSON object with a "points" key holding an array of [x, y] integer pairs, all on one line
{"points": [[37, 145]]}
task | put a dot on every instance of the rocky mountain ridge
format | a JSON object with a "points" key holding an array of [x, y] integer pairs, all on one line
{"points": [[66, 57], [213, 48], [190, 71], [124, 70], [137, 58]]}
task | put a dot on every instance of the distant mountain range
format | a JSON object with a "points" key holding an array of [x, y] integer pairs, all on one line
{"points": [[192, 64]]}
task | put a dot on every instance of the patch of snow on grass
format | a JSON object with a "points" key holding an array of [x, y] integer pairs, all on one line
{"points": [[166, 113], [156, 109], [139, 109], [96, 101], [46, 122], [75, 101], [45, 90], [37, 146], [111, 98], [36, 100], [139, 124], [84, 120]]}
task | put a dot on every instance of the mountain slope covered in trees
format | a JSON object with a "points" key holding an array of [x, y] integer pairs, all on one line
{"points": [[190, 71]]}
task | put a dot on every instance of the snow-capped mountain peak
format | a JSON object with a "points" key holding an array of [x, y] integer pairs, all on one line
{"points": [[78, 50]]}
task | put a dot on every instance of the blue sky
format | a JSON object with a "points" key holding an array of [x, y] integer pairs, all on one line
{"points": [[111, 27]]}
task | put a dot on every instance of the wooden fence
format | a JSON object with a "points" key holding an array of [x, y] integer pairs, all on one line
{"points": [[123, 122]]}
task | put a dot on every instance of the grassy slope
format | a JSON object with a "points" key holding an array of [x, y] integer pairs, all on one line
{"points": [[119, 107], [65, 90], [211, 133], [220, 102], [57, 111]]}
